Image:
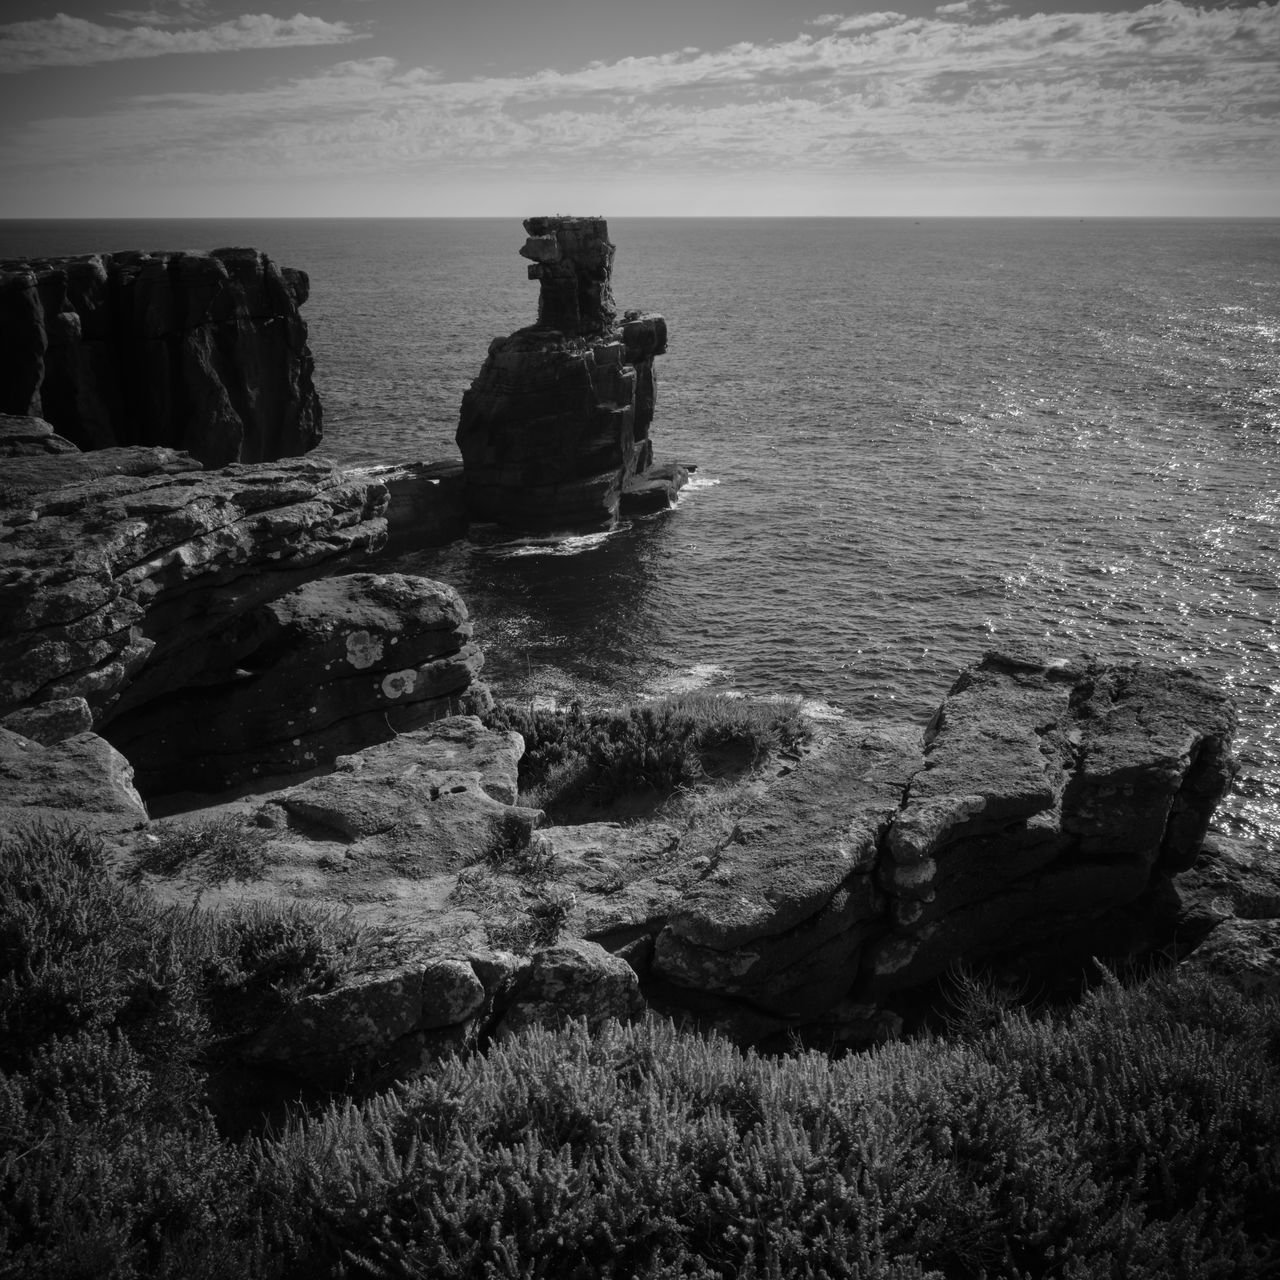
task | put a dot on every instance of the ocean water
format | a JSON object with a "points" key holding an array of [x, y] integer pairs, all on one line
{"points": [[916, 441]]}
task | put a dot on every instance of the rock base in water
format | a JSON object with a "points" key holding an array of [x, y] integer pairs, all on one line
{"points": [[556, 424]]}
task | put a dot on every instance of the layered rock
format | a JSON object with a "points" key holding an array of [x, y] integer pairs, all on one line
{"points": [[1040, 819], [556, 424], [320, 672], [1050, 795], [201, 352], [116, 589]]}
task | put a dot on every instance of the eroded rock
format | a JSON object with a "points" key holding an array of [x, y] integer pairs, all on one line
{"points": [[200, 352], [335, 665], [80, 782], [556, 423]]}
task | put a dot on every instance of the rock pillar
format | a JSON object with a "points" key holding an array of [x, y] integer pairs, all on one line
{"points": [[556, 424]]}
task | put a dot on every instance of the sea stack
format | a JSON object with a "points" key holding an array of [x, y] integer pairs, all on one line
{"points": [[555, 426]]}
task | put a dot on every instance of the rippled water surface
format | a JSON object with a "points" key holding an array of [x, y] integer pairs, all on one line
{"points": [[916, 441]]}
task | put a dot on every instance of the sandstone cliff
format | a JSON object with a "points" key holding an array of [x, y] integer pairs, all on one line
{"points": [[555, 428], [179, 613], [202, 352]]}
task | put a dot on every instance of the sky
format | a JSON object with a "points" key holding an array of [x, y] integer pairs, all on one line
{"points": [[198, 108]]}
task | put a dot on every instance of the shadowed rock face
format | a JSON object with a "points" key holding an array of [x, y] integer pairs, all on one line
{"points": [[207, 623], [556, 425], [202, 352]]}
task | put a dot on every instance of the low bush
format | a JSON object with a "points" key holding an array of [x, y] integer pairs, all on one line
{"points": [[572, 754], [1134, 1136]]}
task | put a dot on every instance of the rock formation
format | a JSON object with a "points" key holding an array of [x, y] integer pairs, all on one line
{"points": [[177, 612], [556, 425], [201, 352], [317, 673], [1039, 824]]}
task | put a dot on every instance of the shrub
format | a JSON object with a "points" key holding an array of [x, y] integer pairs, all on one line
{"points": [[601, 755], [217, 851], [1132, 1136]]}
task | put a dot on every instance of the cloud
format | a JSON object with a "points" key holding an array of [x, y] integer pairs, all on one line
{"points": [[1083, 92], [63, 41]]}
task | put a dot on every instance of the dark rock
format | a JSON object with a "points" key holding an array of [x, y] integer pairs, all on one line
{"points": [[336, 665], [557, 420], [1246, 952], [116, 590], [428, 506], [200, 352], [572, 980], [1051, 795], [23, 436]]}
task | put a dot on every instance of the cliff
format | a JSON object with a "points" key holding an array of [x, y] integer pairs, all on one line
{"points": [[554, 431], [201, 352]]}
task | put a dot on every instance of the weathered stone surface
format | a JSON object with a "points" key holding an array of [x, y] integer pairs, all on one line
{"points": [[783, 913], [29, 474], [113, 590], [82, 781], [571, 980], [26, 436], [338, 664], [1245, 951], [201, 352], [324, 1038], [51, 722], [1051, 795], [557, 420], [428, 506]]}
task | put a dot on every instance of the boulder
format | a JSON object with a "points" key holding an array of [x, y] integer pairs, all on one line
{"points": [[30, 437], [204, 353], [333, 666], [572, 980], [557, 421], [372, 1023], [81, 781]]}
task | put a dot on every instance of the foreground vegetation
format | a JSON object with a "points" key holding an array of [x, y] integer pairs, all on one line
{"points": [[1134, 1137]]}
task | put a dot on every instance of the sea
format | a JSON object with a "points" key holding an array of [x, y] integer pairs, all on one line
{"points": [[915, 441]]}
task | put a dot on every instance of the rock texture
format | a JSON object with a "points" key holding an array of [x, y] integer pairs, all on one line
{"points": [[556, 424], [200, 352], [82, 781], [1039, 821], [117, 589], [322, 671]]}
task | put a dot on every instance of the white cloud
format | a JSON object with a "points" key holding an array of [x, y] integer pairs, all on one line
{"points": [[63, 41], [1168, 87]]}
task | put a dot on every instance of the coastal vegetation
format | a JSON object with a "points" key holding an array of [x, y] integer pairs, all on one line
{"points": [[1133, 1135], [575, 755]]}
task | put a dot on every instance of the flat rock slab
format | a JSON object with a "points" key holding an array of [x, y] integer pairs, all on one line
{"points": [[784, 909]]}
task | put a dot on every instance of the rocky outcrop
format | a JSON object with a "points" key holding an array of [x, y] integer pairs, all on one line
{"points": [[115, 589], [320, 672], [1049, 794], [182, 614], [200, 352], [1039, 821], [556, 424]]}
